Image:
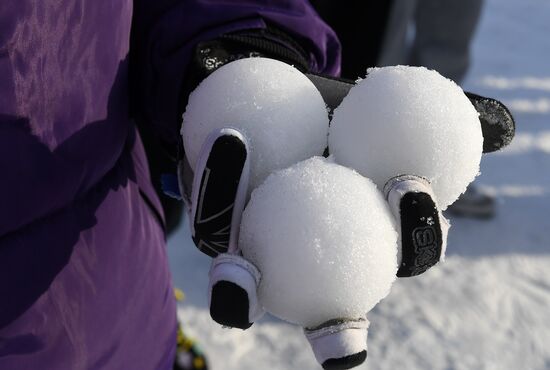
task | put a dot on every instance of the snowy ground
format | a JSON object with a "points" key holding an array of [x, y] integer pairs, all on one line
{"points": [[488, 305]]}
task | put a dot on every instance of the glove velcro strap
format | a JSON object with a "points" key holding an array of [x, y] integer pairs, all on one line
{"points": [[339, 344]]}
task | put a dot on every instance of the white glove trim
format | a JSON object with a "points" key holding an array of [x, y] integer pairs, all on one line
{"points": [[239, 271], [344, 338]]}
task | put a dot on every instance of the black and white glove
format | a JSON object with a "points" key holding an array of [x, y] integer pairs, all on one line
{"points": [[215, 190], [218, 196]]}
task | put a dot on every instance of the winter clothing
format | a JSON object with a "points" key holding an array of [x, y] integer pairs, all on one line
{"points": [[84, 282]]}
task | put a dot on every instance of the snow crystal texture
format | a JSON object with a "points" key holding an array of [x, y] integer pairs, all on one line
{"points": [[409, 120], [324, 240], [275, 106]]}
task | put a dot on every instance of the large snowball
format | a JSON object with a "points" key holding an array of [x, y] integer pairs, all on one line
{"points": [[274, 105], [323, 239], [409, 120]]}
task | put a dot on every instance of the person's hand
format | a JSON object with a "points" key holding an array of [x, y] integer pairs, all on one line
{"points": [[220, 182], [216, 191]]}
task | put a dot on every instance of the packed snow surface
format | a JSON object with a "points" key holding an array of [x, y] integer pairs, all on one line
{"points": [[275, 106], [409, 120], [323, 239]]}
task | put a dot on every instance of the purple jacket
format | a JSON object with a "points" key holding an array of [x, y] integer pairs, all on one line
{"points": [[84, 282]]}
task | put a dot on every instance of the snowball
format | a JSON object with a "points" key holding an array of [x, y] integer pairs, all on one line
{"points": [[275, 106], [409, 120], [324, 241]]}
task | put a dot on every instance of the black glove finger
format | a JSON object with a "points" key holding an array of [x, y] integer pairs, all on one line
{"points": [[497, 124], [421, 236], [422, 229], [219, 191]]}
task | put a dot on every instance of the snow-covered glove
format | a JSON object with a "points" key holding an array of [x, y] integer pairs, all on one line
{"points": [[215, 190], [496, 121]]}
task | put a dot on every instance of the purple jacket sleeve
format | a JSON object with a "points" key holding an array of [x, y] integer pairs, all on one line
{"points": [[166, 32]]}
